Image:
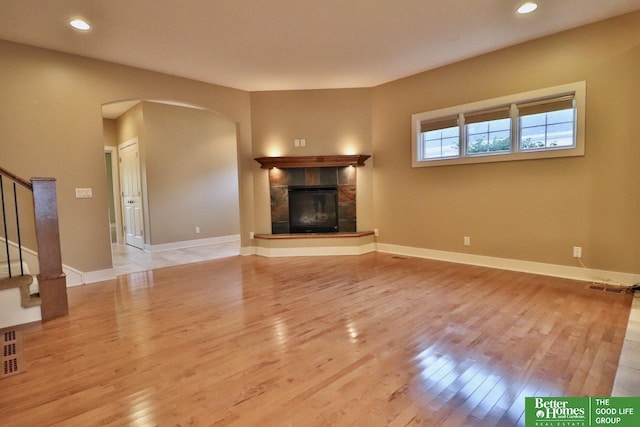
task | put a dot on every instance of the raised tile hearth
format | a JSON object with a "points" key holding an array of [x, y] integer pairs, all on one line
{"points": [[314, 244]]}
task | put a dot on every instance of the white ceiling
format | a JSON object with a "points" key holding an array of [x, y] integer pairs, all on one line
{"points": [[292, 44]]}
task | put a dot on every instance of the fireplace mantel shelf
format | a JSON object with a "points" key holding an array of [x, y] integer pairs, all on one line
{"points": [[312, 161]]}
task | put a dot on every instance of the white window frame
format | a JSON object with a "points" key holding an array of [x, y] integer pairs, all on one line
{"points": [[577, 89]]}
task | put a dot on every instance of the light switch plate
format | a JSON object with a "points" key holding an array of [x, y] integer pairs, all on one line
{"points": [[84, 193]]}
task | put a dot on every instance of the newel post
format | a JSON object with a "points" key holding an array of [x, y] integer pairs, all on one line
{"points": [[51, 280]]}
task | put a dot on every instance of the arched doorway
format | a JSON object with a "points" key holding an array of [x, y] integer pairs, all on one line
{"points": [[189, 183]]}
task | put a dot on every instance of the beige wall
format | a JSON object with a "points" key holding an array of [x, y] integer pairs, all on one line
{"points": [[192, 174], [533, 210], [110, 132], [130, 125], [331, 121], [51, 125], [188, 168]]}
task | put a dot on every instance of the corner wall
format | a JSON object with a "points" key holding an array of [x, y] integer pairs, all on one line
{"points": [[191, 172], [51, 125], [534, 210], [331, 121]]}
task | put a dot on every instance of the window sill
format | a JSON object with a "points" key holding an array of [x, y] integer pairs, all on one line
{"points": [[506, 157]]}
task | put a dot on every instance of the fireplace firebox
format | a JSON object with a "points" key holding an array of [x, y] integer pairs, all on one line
{"points": [[313, 209]]}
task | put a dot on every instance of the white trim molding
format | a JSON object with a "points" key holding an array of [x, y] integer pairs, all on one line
{"points": [[316, 251], [313, 244], [555, 270], [248, 250], [74, 277], [191, 243], [99, 275], [115, 179]]}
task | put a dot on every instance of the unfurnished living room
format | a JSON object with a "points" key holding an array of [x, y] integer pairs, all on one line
{"points": [[296, 213]]}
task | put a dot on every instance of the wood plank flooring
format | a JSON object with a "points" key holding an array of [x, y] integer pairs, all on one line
{"points": [[371, 340]]}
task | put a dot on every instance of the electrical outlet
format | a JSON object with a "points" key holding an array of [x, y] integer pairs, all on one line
{"points": [[197, 230], [577, 252], [467, 241], [251, 235], [376, 232]]}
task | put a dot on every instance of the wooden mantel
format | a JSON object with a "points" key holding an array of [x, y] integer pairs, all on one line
{"points": [[312, 161]]}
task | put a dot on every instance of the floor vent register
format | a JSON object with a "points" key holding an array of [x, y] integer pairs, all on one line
{"points": [[12, 353]]}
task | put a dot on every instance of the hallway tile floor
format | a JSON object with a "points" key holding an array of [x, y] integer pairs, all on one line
{"points": [[127, 259]]}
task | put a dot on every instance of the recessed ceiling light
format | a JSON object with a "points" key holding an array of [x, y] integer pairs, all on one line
{"points": [[80, 24], [528, 7]]}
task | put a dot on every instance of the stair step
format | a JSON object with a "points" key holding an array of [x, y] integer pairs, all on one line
{"points": [[33, 301], [15, 281], [22, 282]]}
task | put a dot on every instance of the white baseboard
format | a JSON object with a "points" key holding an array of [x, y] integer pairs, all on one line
{"points": [[74, 277], [315, 251], [555, 270], [191, 243], [247, 250], [99, 275]]}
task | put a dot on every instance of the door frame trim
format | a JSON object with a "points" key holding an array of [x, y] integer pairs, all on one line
{"points": [[115, 178]]}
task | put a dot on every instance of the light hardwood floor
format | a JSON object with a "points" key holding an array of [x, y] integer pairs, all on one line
{"points": [[369, 340]]}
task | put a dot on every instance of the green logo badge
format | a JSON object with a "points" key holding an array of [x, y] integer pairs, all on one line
{"points": [[557, 411], [582, 411]]}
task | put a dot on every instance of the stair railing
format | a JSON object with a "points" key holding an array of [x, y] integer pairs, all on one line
{"points": [[14, 181], [51, 279]]}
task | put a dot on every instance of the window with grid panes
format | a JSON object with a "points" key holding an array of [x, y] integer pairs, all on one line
{"points": [[537, 124]]}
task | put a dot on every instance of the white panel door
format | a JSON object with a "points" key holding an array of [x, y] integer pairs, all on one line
{"points": [[131, 188]]}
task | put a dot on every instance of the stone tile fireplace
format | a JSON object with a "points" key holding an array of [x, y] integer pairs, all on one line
{"points": [[313, 194], [319, 195]]}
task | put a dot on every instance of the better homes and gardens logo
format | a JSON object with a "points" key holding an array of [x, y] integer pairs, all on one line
{"points": [[582, 411], [557, 411]]}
